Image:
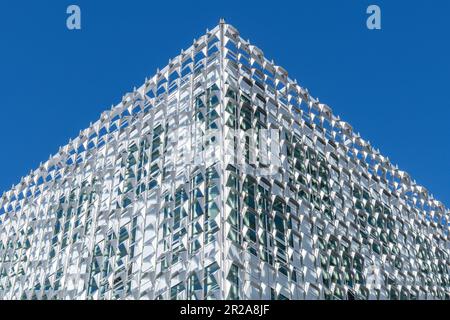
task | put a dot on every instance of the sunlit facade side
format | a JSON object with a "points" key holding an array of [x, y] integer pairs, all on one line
{"points": [[172, 194]]}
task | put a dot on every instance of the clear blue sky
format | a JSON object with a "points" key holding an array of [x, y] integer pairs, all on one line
{"points": [[391, 85]]}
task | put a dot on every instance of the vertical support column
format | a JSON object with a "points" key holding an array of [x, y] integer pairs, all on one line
{"points": [[222, 163]]}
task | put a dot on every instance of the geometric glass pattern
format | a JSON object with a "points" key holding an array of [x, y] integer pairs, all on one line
{"points": [[221, 178]]}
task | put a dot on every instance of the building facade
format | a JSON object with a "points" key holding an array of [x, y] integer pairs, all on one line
{"points": [[221, 178]]}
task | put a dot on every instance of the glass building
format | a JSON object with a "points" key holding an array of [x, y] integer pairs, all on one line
{"points": [[221, 178]]}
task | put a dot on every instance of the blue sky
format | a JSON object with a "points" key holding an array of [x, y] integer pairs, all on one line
{"points": [[392, 84]]}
